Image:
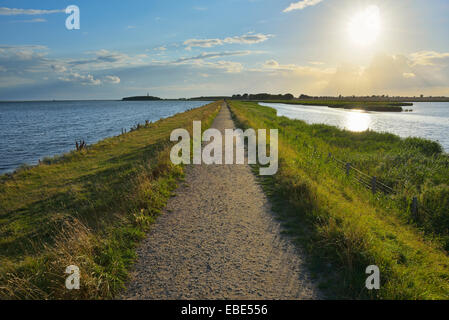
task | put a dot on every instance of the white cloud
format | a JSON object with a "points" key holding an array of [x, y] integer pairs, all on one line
{"points": [[248, 38], [37, 20], [88, 79], [14, 11], [203, 43], [6, 50], [408, 75], [82, 79], [429, 58], [58, 68], [25, 65], [273, 65], [212, 55], [112, 79], [301, 5], [104, 59], [229, 66], [199, 61], [22, 58]]}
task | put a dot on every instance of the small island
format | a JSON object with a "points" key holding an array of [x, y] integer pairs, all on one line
{"points": [[142, 98]]}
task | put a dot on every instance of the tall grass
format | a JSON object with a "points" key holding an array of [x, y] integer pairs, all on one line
{"points": [[344, 227], [88, 208]]}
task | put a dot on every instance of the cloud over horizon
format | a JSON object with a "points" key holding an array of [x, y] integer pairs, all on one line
{"points": [[430, 58], [419, 72]]}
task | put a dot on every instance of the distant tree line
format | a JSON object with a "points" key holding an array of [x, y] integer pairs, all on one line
{"points": [[263, 96], [371, 98]]}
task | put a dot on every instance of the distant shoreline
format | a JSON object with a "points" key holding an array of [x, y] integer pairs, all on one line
{"points": [[293, 101]]}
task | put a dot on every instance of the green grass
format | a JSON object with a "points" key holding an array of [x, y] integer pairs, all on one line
{"points": [[343, 227], [89, 209], [359, 105]]}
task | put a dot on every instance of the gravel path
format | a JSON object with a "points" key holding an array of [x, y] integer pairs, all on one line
{"points": [[219, 240]]}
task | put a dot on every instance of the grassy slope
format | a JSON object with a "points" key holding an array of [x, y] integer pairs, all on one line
{"points": [[89, 209], [412, 167], [345, 228]]}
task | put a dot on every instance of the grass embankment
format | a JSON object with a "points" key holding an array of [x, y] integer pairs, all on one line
{"points": [[88, 209], [344, 227], [356, 105]]}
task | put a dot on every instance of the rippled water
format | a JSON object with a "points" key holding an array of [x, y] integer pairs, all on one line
{"points": [[30, 131], [428, 120]]}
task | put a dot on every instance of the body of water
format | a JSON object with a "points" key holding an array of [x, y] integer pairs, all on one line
{"points": [[30, 131], [428, 120]]}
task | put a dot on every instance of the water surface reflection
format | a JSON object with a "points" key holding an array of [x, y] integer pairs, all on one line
{"points": [[428, 120], [357, 121]]}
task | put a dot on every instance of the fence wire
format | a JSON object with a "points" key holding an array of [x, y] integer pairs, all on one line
{"points": [[365, 180]]}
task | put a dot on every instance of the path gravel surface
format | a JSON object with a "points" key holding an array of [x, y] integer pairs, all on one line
{"points": [[218, 239]]}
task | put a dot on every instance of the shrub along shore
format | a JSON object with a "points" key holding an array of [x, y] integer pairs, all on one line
{"points": [[343, 226], [88, 208]]}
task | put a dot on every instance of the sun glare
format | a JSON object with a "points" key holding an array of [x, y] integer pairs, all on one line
{"points": [[364, 27], [357, 121]]}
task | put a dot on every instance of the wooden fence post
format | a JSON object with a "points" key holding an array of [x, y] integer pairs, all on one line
{"points": [[415, 207], [348, 168], [374, 185]]}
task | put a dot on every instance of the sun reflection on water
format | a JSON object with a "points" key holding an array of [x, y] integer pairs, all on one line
{"points": [[357, 121]]}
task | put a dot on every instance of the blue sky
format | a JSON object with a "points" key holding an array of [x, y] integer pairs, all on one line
{"points": [[189, 48]]}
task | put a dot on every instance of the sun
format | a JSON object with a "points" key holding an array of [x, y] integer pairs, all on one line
{"points": [[365, 26]]}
